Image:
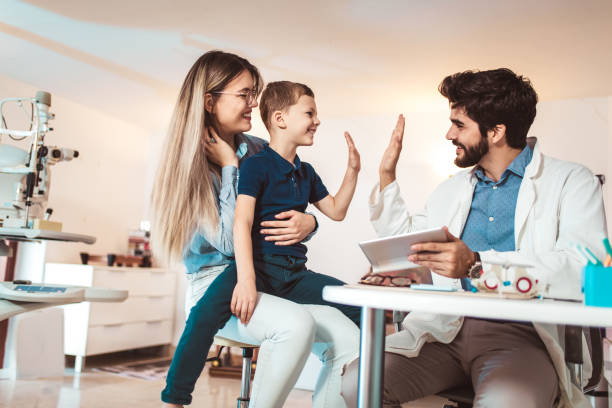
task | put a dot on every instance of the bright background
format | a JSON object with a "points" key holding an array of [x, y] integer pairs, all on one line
{"points": [[114, 69]]}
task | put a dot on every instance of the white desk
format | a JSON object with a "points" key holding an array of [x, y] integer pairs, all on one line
{"points": [[28, 234], [375, 300], [13, 302]]}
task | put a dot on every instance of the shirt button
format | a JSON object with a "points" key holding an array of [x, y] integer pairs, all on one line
{"points": [[494, 187], [491, 219]]}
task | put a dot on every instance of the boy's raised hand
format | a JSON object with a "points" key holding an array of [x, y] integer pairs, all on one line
{"points": [[244, 300], [354, 160]]}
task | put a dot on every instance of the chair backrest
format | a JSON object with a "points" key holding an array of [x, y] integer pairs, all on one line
{"points": [[594, 337]]}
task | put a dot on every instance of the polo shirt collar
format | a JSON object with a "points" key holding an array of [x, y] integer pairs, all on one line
{"points": [[284, 165]]}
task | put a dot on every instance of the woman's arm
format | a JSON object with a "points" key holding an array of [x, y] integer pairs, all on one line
{"points": [[290, 228], [222, 154], [245, 293], [336, 207]]}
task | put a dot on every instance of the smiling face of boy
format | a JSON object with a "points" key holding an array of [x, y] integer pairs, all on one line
{"points": [[301, 121]]}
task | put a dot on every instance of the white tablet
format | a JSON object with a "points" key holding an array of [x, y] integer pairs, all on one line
{"points": [[391, 253]]}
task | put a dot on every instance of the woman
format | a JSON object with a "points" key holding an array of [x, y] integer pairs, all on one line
{"points": [[193, 202]]}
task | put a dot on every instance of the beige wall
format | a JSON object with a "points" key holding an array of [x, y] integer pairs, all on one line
{"points": [[101, 193]]}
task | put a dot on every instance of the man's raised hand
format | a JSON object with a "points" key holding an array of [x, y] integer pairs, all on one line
{"points": [[389, 160]]}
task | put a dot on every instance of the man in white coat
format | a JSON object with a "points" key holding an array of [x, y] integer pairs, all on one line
{"points": [[514, 205]]}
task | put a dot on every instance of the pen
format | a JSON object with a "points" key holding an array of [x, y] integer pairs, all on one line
{"points": [[597, 261], [606, 243], [587, 255]]}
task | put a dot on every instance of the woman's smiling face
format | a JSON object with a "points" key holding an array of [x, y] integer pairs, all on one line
{"points": [[231, 112]]}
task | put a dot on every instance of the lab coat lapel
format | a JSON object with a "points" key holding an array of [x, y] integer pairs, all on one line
{"points": [[459, 216], [527, 195]]}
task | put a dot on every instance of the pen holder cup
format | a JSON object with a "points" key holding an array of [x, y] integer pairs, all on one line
{"points": [[597, 286]]}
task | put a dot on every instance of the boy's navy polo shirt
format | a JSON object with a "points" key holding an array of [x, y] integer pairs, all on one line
{"points": [[278, 186]]}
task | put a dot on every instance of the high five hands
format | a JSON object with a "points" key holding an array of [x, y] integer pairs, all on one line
{"points": [[354, 160], [388, 163]]}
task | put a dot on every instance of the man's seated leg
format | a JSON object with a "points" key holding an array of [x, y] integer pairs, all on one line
{"points": [[513, 370], [436, 368]]}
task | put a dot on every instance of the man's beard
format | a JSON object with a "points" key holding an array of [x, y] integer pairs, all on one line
{"points": [[472, 154]]}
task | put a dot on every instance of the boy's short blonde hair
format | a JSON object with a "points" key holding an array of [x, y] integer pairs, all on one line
{"points": [[279, 96]]}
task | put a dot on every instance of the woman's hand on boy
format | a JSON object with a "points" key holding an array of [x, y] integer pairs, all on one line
{"points": [[292, 227], [354, 160], [218, 150], [244, 300]]}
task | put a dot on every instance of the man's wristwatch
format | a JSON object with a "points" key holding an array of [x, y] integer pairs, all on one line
{"points": [[475, 270]]}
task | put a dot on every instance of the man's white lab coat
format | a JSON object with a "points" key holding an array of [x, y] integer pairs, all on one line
{"points": [[559, 205]]}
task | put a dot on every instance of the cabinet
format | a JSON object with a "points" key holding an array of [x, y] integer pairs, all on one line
{"points": [[145, 318]]}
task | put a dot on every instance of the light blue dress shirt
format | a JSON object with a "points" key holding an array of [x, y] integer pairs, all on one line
{"points": [[490, 224]]}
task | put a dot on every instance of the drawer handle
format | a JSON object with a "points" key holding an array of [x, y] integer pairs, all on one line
{"points": [[154, 322], [113, 325]]}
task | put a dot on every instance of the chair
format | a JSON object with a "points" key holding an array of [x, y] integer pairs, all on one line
{"points": [[463, 396], [247, 355]]}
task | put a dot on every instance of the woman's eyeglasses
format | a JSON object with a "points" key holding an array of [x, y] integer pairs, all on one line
{"points": [[249, 97]]}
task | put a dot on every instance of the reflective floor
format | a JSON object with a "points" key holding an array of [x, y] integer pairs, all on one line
{"points": [[103, 390], [94, 389]]}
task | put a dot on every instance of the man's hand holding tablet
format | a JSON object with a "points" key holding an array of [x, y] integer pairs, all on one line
{"points": [[390, 254], [452, 258]]}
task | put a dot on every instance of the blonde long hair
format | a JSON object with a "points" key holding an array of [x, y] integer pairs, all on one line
{"points": [[183, 197]]}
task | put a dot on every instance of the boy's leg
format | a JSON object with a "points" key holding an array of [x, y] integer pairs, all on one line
{"points": [[285, 331], [209, 314], [309, 290], [336, 344], [291, 280]]}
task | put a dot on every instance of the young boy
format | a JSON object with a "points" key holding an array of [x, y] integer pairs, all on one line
{"points": [[273, 181]]}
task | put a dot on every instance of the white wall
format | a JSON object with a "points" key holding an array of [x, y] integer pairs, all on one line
{"points": [[607, 188], [101, 193]]}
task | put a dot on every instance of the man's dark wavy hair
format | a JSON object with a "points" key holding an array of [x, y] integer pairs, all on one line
{"points": [[494, 97]]}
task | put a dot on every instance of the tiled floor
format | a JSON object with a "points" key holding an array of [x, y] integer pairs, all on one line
{"points": [[94, 389]]}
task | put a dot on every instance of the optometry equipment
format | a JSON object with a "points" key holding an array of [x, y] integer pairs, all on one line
{"points": [[25, 173], [508, 279]]}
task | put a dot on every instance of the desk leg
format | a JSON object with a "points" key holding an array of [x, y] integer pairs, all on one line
{"points": [[8, 275], [371, 360]]}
